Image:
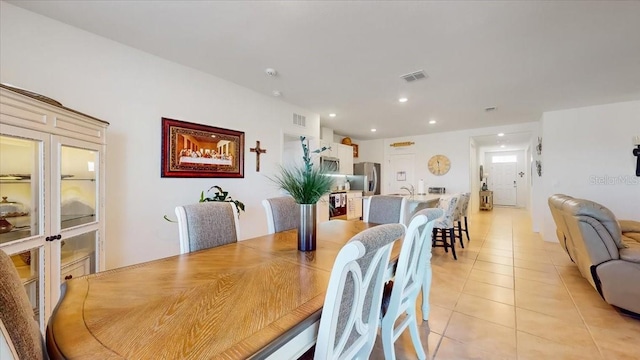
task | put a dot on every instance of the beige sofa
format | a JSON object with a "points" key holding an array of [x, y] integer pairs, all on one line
{"points": [[606, 251]]}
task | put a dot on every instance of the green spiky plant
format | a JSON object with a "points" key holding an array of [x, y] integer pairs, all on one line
{"points": [[305, 184]]}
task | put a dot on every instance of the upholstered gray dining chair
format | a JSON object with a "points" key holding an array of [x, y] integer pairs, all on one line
{"points": [[443, 228], [351, 311], [384, 209], [413, 272], [18, 326], [283, 213], [207, 224], [463, 211]]}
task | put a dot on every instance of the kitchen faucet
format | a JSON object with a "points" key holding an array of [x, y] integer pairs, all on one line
{"points": [[410, 190]]}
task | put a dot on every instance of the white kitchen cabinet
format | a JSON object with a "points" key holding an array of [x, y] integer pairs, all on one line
{"points": [[322, 209], [345, 154], [52, 175], [354, 205]]}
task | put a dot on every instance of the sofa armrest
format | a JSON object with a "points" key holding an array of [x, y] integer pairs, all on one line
{"points": [[629, 226]]}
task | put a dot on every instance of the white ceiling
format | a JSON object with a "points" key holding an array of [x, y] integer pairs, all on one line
{"points": [[347, 57]]}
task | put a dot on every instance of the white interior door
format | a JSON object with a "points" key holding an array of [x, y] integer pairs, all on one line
{"points": [[401, 173], [504, 183]]}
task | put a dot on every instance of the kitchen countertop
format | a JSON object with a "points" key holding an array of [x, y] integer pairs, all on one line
{"points": [[416, 198]]}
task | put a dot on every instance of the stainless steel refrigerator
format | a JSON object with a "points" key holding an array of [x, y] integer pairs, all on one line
{"points": [[371, 171]]}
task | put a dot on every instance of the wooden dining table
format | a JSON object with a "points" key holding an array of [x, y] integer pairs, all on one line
{"points": [[257, 298]]}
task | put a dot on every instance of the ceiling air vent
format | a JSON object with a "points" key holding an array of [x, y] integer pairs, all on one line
{"points": [[299, 120], [416, 75]]}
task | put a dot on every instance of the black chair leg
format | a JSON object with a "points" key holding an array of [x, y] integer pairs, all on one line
{"points": [[453, 243], [460, 233], [466, 229], [443, 237]]}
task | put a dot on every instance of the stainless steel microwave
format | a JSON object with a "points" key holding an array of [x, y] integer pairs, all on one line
{"points": [[330, 164]]}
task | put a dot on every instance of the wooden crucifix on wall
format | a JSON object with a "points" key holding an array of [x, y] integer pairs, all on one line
{"points": [[258, 150]]}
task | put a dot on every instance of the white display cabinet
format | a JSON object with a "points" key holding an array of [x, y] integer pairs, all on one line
{"points": [[52, 173]]}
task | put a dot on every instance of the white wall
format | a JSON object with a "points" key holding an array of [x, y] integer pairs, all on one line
{"points": [[370, 151], [454, 144], [538, 202], [587, 153], [474, 176], [133, 90]]}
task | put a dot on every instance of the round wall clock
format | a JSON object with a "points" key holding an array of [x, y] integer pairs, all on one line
{"points": [[439, 165]]}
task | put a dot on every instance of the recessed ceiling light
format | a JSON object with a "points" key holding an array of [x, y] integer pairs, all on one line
{"points": [[403, 100], [501, 134], [432, 122], [373, 130], [276, 93], [502, 146], [332, 115]]}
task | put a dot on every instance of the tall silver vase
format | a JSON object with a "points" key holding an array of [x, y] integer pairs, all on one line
{"points": [[307, 228]]}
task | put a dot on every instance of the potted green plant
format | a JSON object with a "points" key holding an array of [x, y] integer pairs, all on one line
{"points": [[219, 195], [306, 184]]}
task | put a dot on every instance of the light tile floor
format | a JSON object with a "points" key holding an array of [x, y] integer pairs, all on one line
{"points": [[512, 295]]}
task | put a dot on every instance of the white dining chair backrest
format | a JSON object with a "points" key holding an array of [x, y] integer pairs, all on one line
{"points": [[413, 272], [207, 224], [351, 311], [385, 209], [283, 213]]}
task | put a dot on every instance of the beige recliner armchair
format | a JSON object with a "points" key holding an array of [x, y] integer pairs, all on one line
{"points": [[606, 251]]}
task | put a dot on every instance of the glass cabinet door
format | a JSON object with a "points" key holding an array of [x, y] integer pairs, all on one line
{"points": [[78, 255], [77, 178], [22, 230], [20, 180], [78, 186]]}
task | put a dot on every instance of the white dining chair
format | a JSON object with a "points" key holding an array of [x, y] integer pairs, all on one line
{"points": [[385, 209], [283, 213], [207, 224], [351, 311], [413, 273]]}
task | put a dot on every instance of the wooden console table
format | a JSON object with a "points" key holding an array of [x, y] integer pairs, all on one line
{"points": [[486, 200]]}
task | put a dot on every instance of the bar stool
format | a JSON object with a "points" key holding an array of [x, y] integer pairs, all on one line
{"points": [[443, 228], [463, 210]]}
